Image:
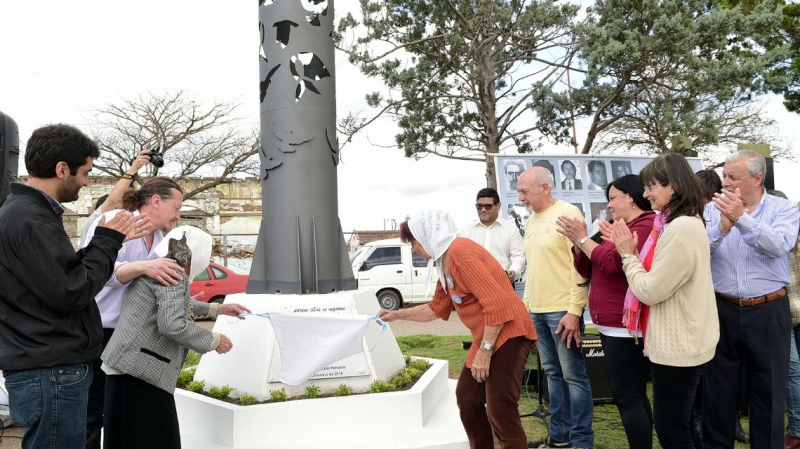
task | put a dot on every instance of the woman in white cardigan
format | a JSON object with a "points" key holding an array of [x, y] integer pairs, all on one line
{"points": [[671, 294]]}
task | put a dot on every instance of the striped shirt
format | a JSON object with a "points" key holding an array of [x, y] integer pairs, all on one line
{"points": [[751, 259]]}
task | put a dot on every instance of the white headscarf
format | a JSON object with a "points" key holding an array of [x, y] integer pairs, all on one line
{"points": [[199, 242], [435, 231]]}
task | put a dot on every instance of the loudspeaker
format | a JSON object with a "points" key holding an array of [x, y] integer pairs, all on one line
{"points": [[594, 355], [9, 155]]}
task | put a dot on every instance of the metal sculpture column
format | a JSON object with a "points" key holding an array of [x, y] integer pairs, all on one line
{"points": [[300, 246]]}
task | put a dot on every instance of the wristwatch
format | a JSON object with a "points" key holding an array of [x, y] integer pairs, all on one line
{"points": [[625, 257], [582, 241], [487, 346]]}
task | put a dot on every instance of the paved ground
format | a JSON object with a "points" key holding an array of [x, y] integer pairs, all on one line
{"points": [[11, 438]]}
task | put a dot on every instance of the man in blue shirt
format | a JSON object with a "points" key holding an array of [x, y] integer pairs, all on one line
{"points": [[750, 234]]}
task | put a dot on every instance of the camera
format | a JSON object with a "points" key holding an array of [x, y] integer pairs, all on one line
{"points": [[156, 158]]}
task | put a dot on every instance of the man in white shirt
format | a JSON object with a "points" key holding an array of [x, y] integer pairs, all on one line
{"points": [[500, 237]]}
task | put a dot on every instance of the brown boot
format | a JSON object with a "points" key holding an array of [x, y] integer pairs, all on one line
{"points": [[791, 442]]}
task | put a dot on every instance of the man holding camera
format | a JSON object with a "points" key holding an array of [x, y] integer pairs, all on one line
{"points": [[161, 199], [114, 199]]}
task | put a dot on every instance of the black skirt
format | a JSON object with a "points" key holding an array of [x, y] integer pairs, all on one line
{"points": [[138, 415]]}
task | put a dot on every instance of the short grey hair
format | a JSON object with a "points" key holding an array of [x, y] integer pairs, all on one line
{"points": [[754, 161], [543, 176]]}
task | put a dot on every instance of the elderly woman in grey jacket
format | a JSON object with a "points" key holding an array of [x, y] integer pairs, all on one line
{"points": [[145, 356]]}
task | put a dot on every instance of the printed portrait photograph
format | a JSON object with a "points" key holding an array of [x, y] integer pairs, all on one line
{"points": [[513, 168], [570, 175], [546, 164], [599, 213], [598, 177], [620, 169]]}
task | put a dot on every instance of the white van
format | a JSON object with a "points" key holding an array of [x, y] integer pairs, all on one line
{"points": [[393, 271]]}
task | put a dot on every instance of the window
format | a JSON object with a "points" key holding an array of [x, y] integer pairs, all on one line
{"points": [[389, 255], [219, 274], [418, 261], [203, 276]]}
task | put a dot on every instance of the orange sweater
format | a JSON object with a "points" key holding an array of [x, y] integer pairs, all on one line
{"points": [[487, 296]]}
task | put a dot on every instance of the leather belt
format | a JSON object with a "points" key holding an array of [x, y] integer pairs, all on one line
{"points": [[750, 302]]}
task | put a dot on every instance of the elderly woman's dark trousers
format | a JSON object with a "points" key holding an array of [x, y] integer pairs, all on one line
{"points": [[490, 408], [139, 415]]}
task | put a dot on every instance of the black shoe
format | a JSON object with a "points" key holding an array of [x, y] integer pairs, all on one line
{"points": [[739, 434], [548, 443]]}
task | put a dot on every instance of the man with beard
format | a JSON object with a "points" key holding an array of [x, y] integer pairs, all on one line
{"points": [[49, 322], [160, 199]]}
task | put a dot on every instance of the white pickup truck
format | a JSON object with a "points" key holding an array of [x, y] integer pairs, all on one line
{"points": [[393, 271]]}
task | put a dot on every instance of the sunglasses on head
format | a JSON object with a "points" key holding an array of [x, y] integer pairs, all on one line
{"points": [[484, 206]]}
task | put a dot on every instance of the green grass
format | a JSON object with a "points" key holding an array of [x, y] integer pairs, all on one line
{"points": [[609, 433], [446, 348]]}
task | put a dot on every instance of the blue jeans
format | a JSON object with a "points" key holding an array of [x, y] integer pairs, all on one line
{"points": [[793, 386], [50, 403], [571, 405]]}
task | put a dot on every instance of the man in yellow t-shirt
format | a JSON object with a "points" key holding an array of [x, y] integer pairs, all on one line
{"points": [[556, 302]]}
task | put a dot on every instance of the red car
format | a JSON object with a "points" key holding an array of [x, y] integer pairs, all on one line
{"points": [[217, 281]]}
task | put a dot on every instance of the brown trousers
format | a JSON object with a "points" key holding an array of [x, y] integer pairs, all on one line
{"points": [[490, 408]]}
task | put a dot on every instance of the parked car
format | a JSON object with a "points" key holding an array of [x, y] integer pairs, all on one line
{"points": [[395, 273], [217, 281]]}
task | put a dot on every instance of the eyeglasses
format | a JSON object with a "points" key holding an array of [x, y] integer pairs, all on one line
{"points": [[648, 189], [480, 206]]}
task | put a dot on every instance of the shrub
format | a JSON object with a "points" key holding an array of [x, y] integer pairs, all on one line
{"points": [[196, 387], [419, 364], [380, 386], [312, 391], [246, 399], [401, 380], [185, 377], [278, 395], [344, 390], [407, 358], [220, 392], [412, 372]]}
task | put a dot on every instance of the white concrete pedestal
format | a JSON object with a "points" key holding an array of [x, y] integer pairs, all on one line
{"points": [[423, 417], [253, 365]]}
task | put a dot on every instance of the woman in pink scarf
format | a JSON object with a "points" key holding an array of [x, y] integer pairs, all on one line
{"points": [[671, 292], [615, 314]]}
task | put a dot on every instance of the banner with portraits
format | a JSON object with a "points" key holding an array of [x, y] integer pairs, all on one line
{"points": [[579, 179]]}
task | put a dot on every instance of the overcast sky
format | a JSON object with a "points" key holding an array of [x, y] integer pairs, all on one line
{"points": [[62, 60]]}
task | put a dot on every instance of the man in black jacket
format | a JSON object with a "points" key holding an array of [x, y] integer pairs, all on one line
{"points": [[49, 323]]}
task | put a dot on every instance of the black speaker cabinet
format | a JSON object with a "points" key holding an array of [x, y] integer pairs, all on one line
{"points": [[594, 355], [9, 154]]}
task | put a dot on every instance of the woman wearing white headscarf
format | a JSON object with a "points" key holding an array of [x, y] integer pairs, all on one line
{"points": [[472, 280], [144, 357]]}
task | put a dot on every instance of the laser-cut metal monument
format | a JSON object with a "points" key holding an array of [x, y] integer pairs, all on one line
{"points": [[301, 254], [300, 246]]}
